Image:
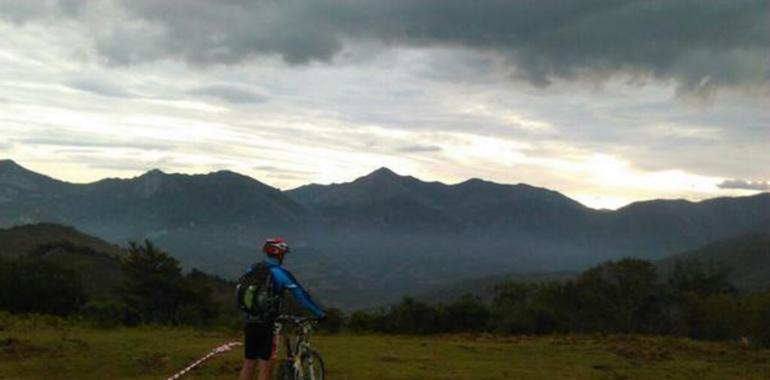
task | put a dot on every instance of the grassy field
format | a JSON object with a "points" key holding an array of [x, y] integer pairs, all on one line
{"points": [[47, 349]]}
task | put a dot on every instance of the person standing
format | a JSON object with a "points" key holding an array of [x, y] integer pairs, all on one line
{"points": [[260, 292]]}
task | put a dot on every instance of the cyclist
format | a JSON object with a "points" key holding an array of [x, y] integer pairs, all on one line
{"points": [[260, 340]]}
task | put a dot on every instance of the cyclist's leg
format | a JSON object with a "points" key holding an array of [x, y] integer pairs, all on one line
{"points": [[247, 372], [267, 357], [265, 368], [258, 349]]}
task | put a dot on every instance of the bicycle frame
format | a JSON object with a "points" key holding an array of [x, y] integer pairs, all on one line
{"points": [[298, 345]]}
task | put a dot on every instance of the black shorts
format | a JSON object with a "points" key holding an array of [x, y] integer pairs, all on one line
{"points": [[259, 341]]}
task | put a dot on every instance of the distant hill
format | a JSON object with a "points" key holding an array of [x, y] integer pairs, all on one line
{"points": [[374, 239], [673, 226], [747, 257], [22, 240], [96, 261]]}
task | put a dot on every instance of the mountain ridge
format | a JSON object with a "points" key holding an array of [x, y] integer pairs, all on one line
{"points": [[6, 163], [381, 234]]}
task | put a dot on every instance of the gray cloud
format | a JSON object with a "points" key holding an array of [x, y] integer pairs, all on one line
{"points": [[744, 185], [229, 94], [118, 163], [22, 11], [419, 149], [93, 142], [277, 170], [100, 87], [449, 80], [701, 44]]}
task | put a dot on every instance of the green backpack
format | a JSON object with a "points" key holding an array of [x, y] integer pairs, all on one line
{"points": [[254, 293]]}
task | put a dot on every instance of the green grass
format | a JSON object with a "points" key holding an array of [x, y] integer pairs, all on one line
{"points": [[49, 349]]}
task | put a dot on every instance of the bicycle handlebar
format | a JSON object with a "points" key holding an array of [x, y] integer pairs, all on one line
{"points": [[296, 320]]}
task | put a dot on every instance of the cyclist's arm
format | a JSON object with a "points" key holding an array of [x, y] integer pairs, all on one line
{"points": [[289, 282]]}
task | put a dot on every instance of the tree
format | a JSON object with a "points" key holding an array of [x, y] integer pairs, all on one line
{"points": [[361, 321], [151, 283], [620, 296], [693, 276], [155, 290], [533, 308], [37, 286], [510, 305], [197, 305], [411, 317], [467, 313]]}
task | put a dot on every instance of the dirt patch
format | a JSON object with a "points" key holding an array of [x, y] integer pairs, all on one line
{"points": [[391, 359], [231, 368], [641, 352], [570, 340], [78, 343], [467, 348], [18, 348], [153, 361], [488, 338]]}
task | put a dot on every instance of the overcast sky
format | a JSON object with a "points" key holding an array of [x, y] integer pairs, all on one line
{"points": [[606, 101]]}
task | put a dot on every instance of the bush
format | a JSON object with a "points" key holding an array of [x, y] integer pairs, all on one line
{"points": [[105, 313], [615, 297], [361, 321], [335, 319], [35, 286], [467, 314]]}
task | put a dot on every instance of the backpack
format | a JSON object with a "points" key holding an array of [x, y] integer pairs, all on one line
{"points": [[254, 294]]}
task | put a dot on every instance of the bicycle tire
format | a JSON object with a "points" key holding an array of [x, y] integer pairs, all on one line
{"points": [[285, 370], [313, 366]]}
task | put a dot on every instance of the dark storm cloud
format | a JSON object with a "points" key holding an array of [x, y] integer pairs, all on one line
{"points": [[229, 94], [701, 44], [744, 185]]}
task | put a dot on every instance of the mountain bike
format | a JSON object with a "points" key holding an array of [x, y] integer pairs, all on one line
{"points": [[302, 362]]}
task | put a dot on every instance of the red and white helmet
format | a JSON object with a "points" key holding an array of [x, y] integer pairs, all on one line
{"points": [[275, 247]]}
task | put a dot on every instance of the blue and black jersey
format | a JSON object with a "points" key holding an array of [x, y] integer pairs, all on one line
{"points": [[284, 280]]}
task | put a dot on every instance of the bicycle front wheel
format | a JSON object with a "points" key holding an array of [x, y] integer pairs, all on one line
{"points": [[313, 366], [286, 371]]}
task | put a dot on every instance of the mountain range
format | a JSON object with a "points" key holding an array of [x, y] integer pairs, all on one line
{"points": [[380, 236]]}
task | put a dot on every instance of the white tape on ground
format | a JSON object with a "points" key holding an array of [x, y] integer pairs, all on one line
{"points": [[217, 350]]}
